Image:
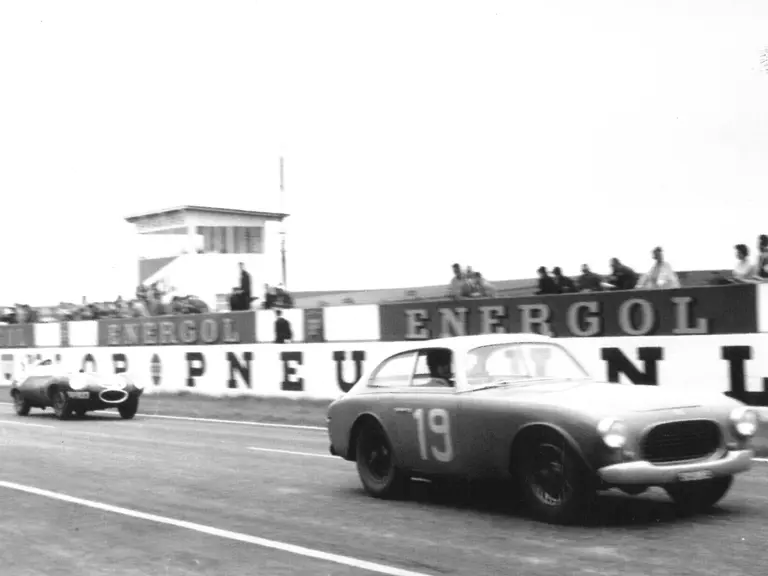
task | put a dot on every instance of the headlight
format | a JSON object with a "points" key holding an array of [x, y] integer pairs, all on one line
{"points": [[77, 381], [613, 431], [745, 421], [137, 383]]}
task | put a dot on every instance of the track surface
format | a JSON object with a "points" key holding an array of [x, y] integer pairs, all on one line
{"points": [[209, 474]]}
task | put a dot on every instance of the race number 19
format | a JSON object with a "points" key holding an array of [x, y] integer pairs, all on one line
{"points": [[438, 422]]}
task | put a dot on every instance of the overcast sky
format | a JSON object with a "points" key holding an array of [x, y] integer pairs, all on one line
{"points": [[503, 135]]}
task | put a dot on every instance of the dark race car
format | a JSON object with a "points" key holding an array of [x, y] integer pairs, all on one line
{"points": [[45, 384]]}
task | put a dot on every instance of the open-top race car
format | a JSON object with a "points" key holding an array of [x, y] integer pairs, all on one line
{"points": [[45, 384], [520, 408]]}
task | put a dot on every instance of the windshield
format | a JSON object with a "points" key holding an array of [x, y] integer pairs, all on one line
{"points": [[511, 363]]}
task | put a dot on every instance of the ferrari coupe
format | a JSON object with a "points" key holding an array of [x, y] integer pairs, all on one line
{"points": [[520, 408]]}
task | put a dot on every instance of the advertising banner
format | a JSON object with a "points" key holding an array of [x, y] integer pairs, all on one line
{"points": [[17, 336], [734, 364], [680, 312], [193, 329]]}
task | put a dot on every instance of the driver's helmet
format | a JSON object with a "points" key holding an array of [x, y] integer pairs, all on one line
{"points": [[437, 358]]}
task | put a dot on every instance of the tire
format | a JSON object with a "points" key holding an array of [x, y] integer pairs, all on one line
{"points": [[699, 496], [128, 408], [375, 464], [554, 483], [20, 404], [62, 407]]}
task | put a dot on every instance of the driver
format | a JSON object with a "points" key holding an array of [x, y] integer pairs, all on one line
{"points": [[439, 364]]}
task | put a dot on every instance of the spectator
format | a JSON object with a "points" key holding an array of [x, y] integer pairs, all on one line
{"points": [[270, 297], [589, 281], [744, 271], [761, 265], [563, 283], [623, 277], [459, 287], [661, 275], [283, 298], [283, 332], [245, 287], [546, 283], [241, 296], [482, 287]]}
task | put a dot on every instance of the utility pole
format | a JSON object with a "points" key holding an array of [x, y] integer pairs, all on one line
{"points": [[282, 226]]}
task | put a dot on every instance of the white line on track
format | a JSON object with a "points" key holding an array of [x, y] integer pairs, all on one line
{"points": [[214, 420], [292, 452], [242, 422], [237, 536], [26, 424]]}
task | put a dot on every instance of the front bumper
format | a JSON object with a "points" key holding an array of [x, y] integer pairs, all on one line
{"points": [[647, 474]]}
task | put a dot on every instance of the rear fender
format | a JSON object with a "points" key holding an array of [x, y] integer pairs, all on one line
{"points": [[349, 452]]}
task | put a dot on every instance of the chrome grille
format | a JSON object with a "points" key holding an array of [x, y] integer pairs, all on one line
{"points": [[681, 440]]}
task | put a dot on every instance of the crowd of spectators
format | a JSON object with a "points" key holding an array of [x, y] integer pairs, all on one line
{"points": [[152, 300], [661, 275], [155, 300]]}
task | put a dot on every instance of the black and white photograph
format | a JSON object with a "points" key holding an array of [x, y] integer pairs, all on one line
{"points": [[425, 288]]}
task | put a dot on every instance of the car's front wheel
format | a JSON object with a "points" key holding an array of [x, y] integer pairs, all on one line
{"points": [[62, 407], [555, 485], [699, 496], [128, 408], [376, 463], [20, 404]]}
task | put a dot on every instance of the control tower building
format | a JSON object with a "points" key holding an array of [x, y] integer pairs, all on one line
{"points": [[195, 250]]}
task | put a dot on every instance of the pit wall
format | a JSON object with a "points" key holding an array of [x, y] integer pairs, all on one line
{"points": [[710, 338]]}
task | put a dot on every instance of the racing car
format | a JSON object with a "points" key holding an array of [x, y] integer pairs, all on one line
{"points": [[520, 408], [45, 384]]}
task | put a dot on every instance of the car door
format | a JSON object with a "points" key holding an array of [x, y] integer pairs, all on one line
{"points": [[427, 420], [387, 383]]}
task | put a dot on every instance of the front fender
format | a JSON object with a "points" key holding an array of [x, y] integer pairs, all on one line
{"points": [[527, 428], [584, 442]]}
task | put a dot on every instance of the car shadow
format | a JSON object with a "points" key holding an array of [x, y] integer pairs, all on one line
{"points": [[612, 509], [49, 415]]}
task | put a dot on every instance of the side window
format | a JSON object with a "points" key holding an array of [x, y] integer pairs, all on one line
{"points": [[507, 362], [442, 372], [394, 372]]}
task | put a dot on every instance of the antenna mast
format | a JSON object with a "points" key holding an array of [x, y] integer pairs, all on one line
{"points": [[282, 226]]}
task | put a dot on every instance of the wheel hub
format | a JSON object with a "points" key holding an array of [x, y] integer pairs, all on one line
{"points": [[548, 480], [378, 458]]}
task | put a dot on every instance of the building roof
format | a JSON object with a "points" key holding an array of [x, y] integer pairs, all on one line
{"points": [[211, 210]]}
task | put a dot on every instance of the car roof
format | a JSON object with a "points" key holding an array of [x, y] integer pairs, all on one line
{"points": [[465, 343]]}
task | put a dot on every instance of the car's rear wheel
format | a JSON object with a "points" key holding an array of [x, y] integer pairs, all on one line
{"points": [[376, 463], [20, 404], [128, 408], [556, 487], [699, 496], [62, 407]]}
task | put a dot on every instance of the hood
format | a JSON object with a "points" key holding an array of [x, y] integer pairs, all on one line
{"points": [[592, 396]]}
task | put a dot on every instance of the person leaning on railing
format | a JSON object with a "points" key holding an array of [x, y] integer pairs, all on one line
{"points": [[661, 275], [761, 264]]}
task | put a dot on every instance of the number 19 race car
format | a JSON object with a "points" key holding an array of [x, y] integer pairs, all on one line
{"points": [[45, 384], [521, 408]]}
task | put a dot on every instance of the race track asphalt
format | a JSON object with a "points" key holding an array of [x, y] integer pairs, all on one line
{"points": [[209, 474]]}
